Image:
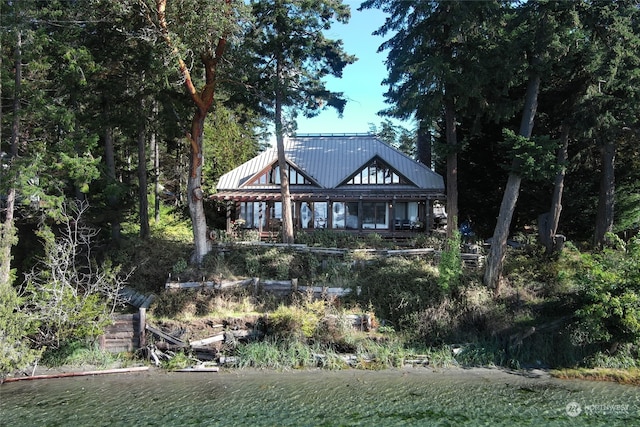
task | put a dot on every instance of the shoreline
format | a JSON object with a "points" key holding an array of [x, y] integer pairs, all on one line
{"points": [[620, 376]]}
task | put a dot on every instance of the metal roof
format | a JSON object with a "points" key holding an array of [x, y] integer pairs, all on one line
{"points": [[330, 159]]}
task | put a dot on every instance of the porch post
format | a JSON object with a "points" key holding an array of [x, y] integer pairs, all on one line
{"points": [[428, 224], [228, 209]]}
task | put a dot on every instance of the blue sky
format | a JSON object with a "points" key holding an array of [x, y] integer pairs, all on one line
{"points": [[361, 81]]}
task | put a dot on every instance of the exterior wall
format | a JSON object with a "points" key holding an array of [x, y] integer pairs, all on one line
{"points": [[359, 215]]}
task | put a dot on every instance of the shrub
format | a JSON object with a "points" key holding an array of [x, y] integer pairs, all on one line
{"points": [[70, 294], [609, 295], [450, 265], [15, 325], [397, 288]]}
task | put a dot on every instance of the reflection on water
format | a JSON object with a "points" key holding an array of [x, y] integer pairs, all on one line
{"points": [[317, 398]]}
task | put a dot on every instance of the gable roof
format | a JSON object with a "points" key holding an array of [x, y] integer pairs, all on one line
{"points": [[329, 160]]}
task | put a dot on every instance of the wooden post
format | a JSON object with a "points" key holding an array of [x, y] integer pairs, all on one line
{"points": [[142, 327], [256, 281], [228, 208], [294, 285]]}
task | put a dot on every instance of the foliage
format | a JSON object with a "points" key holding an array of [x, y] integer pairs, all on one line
{"points": [[292, 56], [535, 157], [450, 265], [276, 354], [77, 353], [179, 360], [15, 325], [627, 356], [609, 294], [398, 287], [68, 292], [172, 226], [302, 320], [179, 266]]}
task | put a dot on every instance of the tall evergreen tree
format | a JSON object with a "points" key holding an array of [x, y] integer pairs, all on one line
{"points": [[292, 56], [437, 66], [538, 33]]}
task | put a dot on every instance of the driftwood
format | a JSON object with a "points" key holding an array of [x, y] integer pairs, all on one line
{"points": [[172, 340], [78, 374], [206, 341]]}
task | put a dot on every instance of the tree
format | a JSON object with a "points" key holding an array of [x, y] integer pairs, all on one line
{"points": [[292, 57], [435, 68], [615, 35], [207, 37], [547, 24], [397, 136], [14, 349]]}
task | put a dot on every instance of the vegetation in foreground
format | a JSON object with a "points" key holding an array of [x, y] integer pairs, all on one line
{"points": [[575, 312]]}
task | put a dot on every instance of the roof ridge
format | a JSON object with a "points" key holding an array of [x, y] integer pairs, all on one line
{"points": [[316, 135]]}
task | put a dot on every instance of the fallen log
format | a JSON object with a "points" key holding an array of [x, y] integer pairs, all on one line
{"points": [[77, 374]]}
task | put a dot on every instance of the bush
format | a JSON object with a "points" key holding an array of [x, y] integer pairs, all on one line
{"points": [[450, 265], [70, 294], [77, 353], [15, 325], [609, 295], [397, 288]]}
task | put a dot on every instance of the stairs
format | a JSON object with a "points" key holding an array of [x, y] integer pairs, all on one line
{"points": [[135, 298]]}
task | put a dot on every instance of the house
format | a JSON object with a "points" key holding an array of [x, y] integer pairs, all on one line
{"points": [[349, 182]]}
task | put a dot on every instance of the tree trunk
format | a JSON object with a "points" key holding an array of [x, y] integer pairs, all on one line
{"points": [[7, 228], [549, 225], [452, 166], [495, 260], [194, 189], [287, 214], [424, 144], [203, 101], [112, 200], [606, 198], [155, 152], [143, 200]]}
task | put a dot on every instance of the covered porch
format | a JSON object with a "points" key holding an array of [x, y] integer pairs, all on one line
{"points": [[385, 213]]}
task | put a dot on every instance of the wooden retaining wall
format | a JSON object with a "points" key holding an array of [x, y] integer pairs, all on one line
{"points": [[126, 333], [282, 287]]}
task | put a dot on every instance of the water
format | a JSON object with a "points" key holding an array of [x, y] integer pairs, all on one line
{"points": [[409, 397]]}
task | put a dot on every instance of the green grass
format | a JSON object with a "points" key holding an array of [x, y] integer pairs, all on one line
{"points": [[79, 353], [623, 376]]}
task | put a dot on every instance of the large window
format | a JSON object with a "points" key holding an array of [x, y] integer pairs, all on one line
{"points": [[377, 172], [313, 214], [345, 215], [252, 212], [405, 215], [375, 215], [272, 176]]}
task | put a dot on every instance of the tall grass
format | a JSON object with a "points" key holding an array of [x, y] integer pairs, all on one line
{"points": [[78, 353]]}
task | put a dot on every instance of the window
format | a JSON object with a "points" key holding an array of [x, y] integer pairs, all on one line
{"points": [[377, 172], [405, 215], [375, 215], [252, 213], [272, 176], [313, 214], [345, 215]]}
